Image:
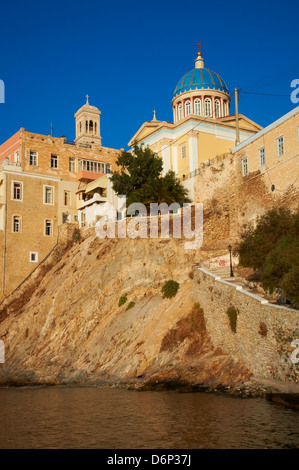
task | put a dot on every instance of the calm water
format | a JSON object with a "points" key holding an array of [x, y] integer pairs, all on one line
{"points": [[119, 419]]}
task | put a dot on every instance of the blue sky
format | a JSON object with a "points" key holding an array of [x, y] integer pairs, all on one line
{"points": [[129, 55]]}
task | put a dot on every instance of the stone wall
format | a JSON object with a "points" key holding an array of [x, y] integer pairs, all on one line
{"points": [[264, 331], [238, 200]]}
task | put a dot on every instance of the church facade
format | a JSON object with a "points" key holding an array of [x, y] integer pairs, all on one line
{"points": [[202, 127]]}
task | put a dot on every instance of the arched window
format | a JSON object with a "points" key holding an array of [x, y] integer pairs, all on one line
{"points": [[91, 126], [217, 108], [208, 107], [16, 225], [187, 108], [95, 127], [180, 112], [197, 107], [80, 127], [224, 108], [86, 126]]}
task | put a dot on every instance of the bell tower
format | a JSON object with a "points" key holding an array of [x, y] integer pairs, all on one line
{"points": [[88, 125]]}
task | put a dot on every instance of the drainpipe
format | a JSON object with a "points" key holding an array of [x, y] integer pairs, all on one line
{"points": [[237, 117], [5, 224]]}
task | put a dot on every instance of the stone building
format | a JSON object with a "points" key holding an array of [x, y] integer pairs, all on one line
{"points": [[273, 152], [42, 183], [202, 124]]}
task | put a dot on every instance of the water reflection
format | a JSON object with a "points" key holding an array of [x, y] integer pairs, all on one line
{"points": [[119, 419]]}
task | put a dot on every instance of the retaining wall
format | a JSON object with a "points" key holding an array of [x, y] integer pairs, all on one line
{"points": [[266, 355]]}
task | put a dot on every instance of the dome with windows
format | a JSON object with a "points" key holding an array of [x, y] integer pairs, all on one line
{"points": [[200, 92]]}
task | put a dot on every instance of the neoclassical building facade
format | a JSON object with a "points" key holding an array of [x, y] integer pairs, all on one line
{"points": [[202, 127]]}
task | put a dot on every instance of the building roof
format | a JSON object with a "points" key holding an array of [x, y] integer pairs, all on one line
{"points": [[259, 134], [200, 78], [154, 128]]}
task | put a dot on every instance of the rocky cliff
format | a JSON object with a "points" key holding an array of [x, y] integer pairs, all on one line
{"points": [[64, 325]]}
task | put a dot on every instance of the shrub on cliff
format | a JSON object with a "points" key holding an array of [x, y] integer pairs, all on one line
{"points": [[170, 289], [232, 313], [122, 301], [130, 305], [272, 249]]}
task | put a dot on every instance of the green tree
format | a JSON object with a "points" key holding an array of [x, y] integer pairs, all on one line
{"points": [[140, 179], [272, 250]]}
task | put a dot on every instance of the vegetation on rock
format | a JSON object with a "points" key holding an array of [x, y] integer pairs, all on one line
{"points": [[130, 305], [263, 330], [122, 301], [272, 250], [170, 289], [232, 313]]}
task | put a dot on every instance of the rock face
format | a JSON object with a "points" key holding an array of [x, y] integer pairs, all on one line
{"points": [[65, 326]]}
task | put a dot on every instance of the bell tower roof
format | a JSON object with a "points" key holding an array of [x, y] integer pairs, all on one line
{"points": [[88, 108], [88, 125]]}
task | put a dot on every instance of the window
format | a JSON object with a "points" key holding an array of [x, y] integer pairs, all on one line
{"points": [[54, 161], [244, 166], [183, 151], [197, 107], [33, 158], [187, 108], [108, 169], [224, 108], [16, 156], [48, 227], [262, 156], [16, 226], [208, 107], [33, 257], [67, 198], [280, 146], [17, 191], [90, 165], [72, 164], [65, 218], [83, 219], [180, 112], [217, 108], [48, 195]]}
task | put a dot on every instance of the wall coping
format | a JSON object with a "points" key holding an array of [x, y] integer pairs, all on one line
{"points": [[243, 291]]}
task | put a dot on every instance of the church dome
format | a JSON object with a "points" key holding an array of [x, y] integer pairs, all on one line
{"points": [[200, 92], [200, 78]]}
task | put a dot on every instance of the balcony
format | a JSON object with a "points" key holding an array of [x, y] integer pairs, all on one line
{"points": [[9, 165], [88, 175], [93, 200]]}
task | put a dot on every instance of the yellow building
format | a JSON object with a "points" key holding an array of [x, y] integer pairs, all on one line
{"points": [[40, 181], [202, 126], [272, 153]]}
